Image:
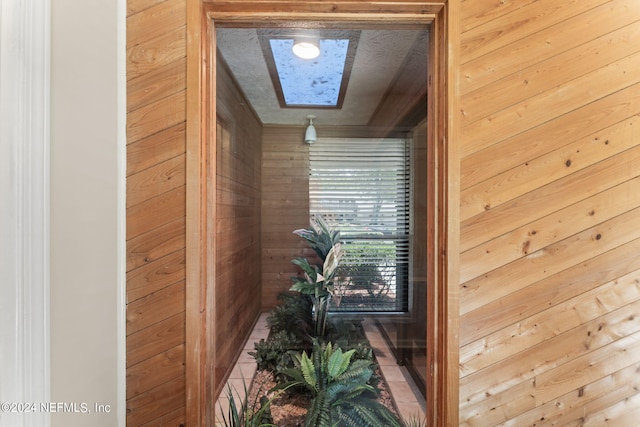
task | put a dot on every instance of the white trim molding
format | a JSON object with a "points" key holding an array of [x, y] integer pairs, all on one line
{"points": [[24, 209]]}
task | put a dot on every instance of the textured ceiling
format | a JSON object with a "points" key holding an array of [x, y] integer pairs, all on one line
{"points": [[379, 56]]}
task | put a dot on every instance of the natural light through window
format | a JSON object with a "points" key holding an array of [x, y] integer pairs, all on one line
{"points": [[310, 82]]}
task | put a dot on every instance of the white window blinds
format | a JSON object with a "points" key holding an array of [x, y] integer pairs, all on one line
{"points": [[361, 187]]}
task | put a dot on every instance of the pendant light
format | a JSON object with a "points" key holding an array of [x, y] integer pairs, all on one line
{"points": [[310, 135]]}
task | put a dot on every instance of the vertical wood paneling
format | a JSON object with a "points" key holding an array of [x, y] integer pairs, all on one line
{"points": [[550, 281], [156, 58]]}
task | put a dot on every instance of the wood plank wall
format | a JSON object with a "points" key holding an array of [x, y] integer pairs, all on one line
{"points": [[238, 276], [550, 213], [550, 98], [156, 82], [285, 207]]}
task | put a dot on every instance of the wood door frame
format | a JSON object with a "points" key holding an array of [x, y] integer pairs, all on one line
{"points": [[443, 221]]}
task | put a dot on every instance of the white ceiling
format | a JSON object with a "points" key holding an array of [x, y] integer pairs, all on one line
{"points": [[379, 56]]}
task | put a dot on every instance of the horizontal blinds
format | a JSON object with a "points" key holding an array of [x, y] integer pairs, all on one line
{"points": [[361, 188]]}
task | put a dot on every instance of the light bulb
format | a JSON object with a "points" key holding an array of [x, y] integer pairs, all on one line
{"points": [[306, 49]]}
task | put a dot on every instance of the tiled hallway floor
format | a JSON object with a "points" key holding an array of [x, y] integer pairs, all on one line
{"points": [[406, 396]]}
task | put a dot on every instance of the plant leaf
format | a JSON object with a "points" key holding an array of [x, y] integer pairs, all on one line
{"points": [[308, 371], [332, 261]]}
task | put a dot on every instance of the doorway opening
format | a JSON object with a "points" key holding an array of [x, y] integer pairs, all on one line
{"points": [[425, 302]]}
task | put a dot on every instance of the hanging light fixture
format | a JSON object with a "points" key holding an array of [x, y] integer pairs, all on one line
{"points": [[306, 48], [310, 135]]}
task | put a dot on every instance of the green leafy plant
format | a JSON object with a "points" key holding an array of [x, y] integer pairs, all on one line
{"points": [[292, 315], [342, 395], [274, 352], [290, 326], [317, 280], [348, 334], [256, 414], [415, 422]]}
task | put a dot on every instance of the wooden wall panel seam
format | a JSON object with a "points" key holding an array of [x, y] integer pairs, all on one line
{"points": [[549, 292], [550, 73], [146, 60], [549, 105], [516, 338], [155, 403], [155, 307], [588, 399], [519, 24], [557, 257], [514, 56], [156, 338], [155, 244], [559, 132], [155, 276], [549, 229], [476, 13], [155, 371], [166, 208], [156, 117], [158, 84], [156, 180], [551, 198], [155, 21], [551, 167]]}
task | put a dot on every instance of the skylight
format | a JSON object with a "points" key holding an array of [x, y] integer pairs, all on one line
{"points": [[310, 82], [320, 82]]}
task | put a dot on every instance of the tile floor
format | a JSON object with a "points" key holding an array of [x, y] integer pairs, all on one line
{"points": [[407, 398]]}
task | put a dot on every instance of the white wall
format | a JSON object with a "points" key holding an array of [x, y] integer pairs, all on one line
{"points": [[24, 211], [87, 279]]}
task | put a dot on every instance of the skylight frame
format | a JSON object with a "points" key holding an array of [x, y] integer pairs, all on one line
{"points": [[267, 34]]}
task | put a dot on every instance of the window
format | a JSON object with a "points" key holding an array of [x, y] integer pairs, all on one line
{"points": [[361, 188]]}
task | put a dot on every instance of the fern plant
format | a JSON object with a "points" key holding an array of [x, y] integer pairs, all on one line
{"points": [[342, 395]]}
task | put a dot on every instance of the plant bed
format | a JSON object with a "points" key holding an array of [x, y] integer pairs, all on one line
{"points": [[290, 409], [314, 371]]}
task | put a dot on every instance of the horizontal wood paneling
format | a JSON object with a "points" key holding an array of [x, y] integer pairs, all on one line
{"points": [[237, 239], [156, 21], [155, 339], [156, 148], [156, 243], [550, 73], [155, 371], [159, 83], [552, 103], [156, 180], [544, 170], [550, 213], [550, 198], [156, 275], [517, 54], [285, 207], [156, 403], [156, 170], [155, 307], [155, 212], [530, 144], [156, 117], [518, 24]]}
